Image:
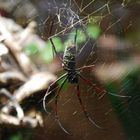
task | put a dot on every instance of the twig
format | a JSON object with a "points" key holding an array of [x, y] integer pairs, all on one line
{"points": [[13, 102], [14, 121], [15, 49]]}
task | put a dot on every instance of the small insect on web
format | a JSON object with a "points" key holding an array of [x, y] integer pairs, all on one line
{"points": [[72, 76]]}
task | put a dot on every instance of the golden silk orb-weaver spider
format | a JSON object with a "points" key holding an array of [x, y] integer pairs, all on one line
{"points": [[72, 76]]}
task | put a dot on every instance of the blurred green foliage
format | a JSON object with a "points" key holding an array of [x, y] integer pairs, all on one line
{"points": [[65, 86], [93, 31], [46, 53], [17, 136], [31, 48], [81, 37], [127, 109]]}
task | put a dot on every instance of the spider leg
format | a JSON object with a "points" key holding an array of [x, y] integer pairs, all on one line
{"points": [[53, 46], [48, 92], [56, 105], [99, 89], [84, 110], [50, 32], [75, 39], [89, 66]]}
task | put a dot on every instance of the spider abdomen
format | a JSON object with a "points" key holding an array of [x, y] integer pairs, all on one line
{"points": [[69, 58], [70, 64]]}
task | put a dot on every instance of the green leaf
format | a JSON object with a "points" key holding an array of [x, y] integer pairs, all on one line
{"points": [[93, 31], [81, 37], [57, 42], [65, 86], [31, 48], [47, 52], [16, 137]]}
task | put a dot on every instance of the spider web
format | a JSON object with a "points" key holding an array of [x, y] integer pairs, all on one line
{"points": [[70, 14]]}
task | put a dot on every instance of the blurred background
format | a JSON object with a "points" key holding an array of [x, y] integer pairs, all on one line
{"points": [[108, 37]]}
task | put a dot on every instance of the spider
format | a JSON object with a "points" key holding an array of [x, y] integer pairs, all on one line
{"points": [[72, 75]]}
